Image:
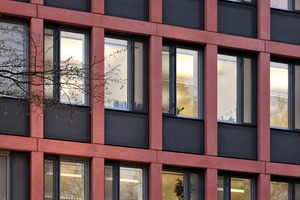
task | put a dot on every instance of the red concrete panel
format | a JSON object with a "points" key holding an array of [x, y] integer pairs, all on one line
{"points": [[17, 9], [70, 17], [37, 176], [97, 6], [263, 17], [210, 100], [36, 89], [263, 187], [155, 181], [263, 106], [279, 169], [155, 93], [129, 25], [18, 143], [97, 178], [211, 184], [282, 49], [211, 15], [155, 14], [66, 148], [127, 154], [97, 85]]}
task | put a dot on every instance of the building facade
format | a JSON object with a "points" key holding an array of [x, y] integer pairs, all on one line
{"points": [[172, 100]]}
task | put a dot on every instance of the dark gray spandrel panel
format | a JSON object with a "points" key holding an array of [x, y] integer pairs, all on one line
{"points": [[80, 5]]}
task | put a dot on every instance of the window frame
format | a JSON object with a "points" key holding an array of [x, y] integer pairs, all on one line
{"points": [[186, 179], [173, 46], [56, 161], [7, 155], [227, 183], [240, 56], [131, 39], [57, 29], [292, 64], [116, 166]]}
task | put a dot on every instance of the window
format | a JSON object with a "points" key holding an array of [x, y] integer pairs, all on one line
{"points": [[4, 174], [293, 5], [181, 81], [126, 73], [236, 88], [284, 97], [13, 58], [243, 1], [285, 189], [232, 187], [66, 67], [66, 178], [184, 184], [125, 181]]}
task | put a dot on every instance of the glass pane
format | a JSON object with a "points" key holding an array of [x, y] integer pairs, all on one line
{"points": [[3, 177], [108, 182], [116, 94], [227, 88], [297, 191], [138, 76], [165, 80], [297, 5], [279, 191], [194, 190], [48, 179], [297, 97], [240, 189], [72, 180], [131, 183], [281, 4], [173, 188], [13, 59], [279, 94], [187, 83], [220, 188], [72, 68], [247, 91], [48, 63]]}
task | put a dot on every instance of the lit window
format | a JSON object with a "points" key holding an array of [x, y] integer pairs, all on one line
{"points": [[125, 181], [236, 88], [284, 95], [182, 184], [66, 66], [235, 187], [285, 189], [65, 178], [126, 71], [180, 81], [13, 59], [293, 5]]}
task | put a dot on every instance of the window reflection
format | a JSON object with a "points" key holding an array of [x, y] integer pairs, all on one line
{"points": [[131, 183], [165, 79], [108, 182], [227, 88], [173, 188], [220, 188], [240, 189], [279, 94], [49, 180], [279, 191], [297, 97], [282, 4]]}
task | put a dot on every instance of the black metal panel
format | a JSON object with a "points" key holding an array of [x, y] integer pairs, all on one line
{"points": [[183, 135], [126, 129], [185, 13], [81, 5], [285, 26], [237, 141], [25, 1], [237, 19], [67, 123], [132, 9], [14, 118], [285, 146]]}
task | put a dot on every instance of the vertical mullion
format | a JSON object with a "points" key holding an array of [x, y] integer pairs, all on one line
{"points": [[130, 73], [240, 89], [116, 181], [291, 96], [186, 185], [172, 78], [56, 177], [56, 50]]}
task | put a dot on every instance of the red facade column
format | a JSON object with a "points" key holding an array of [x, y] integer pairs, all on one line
{"points": [[263, 187], [155, 181], [263, 107], [36, 57], [97, 178], [211, 15], [155, 11], [211, 184], [97, 81], [155, 93], [263, 19], [97, 6], [210, 100], [37, 176]]}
